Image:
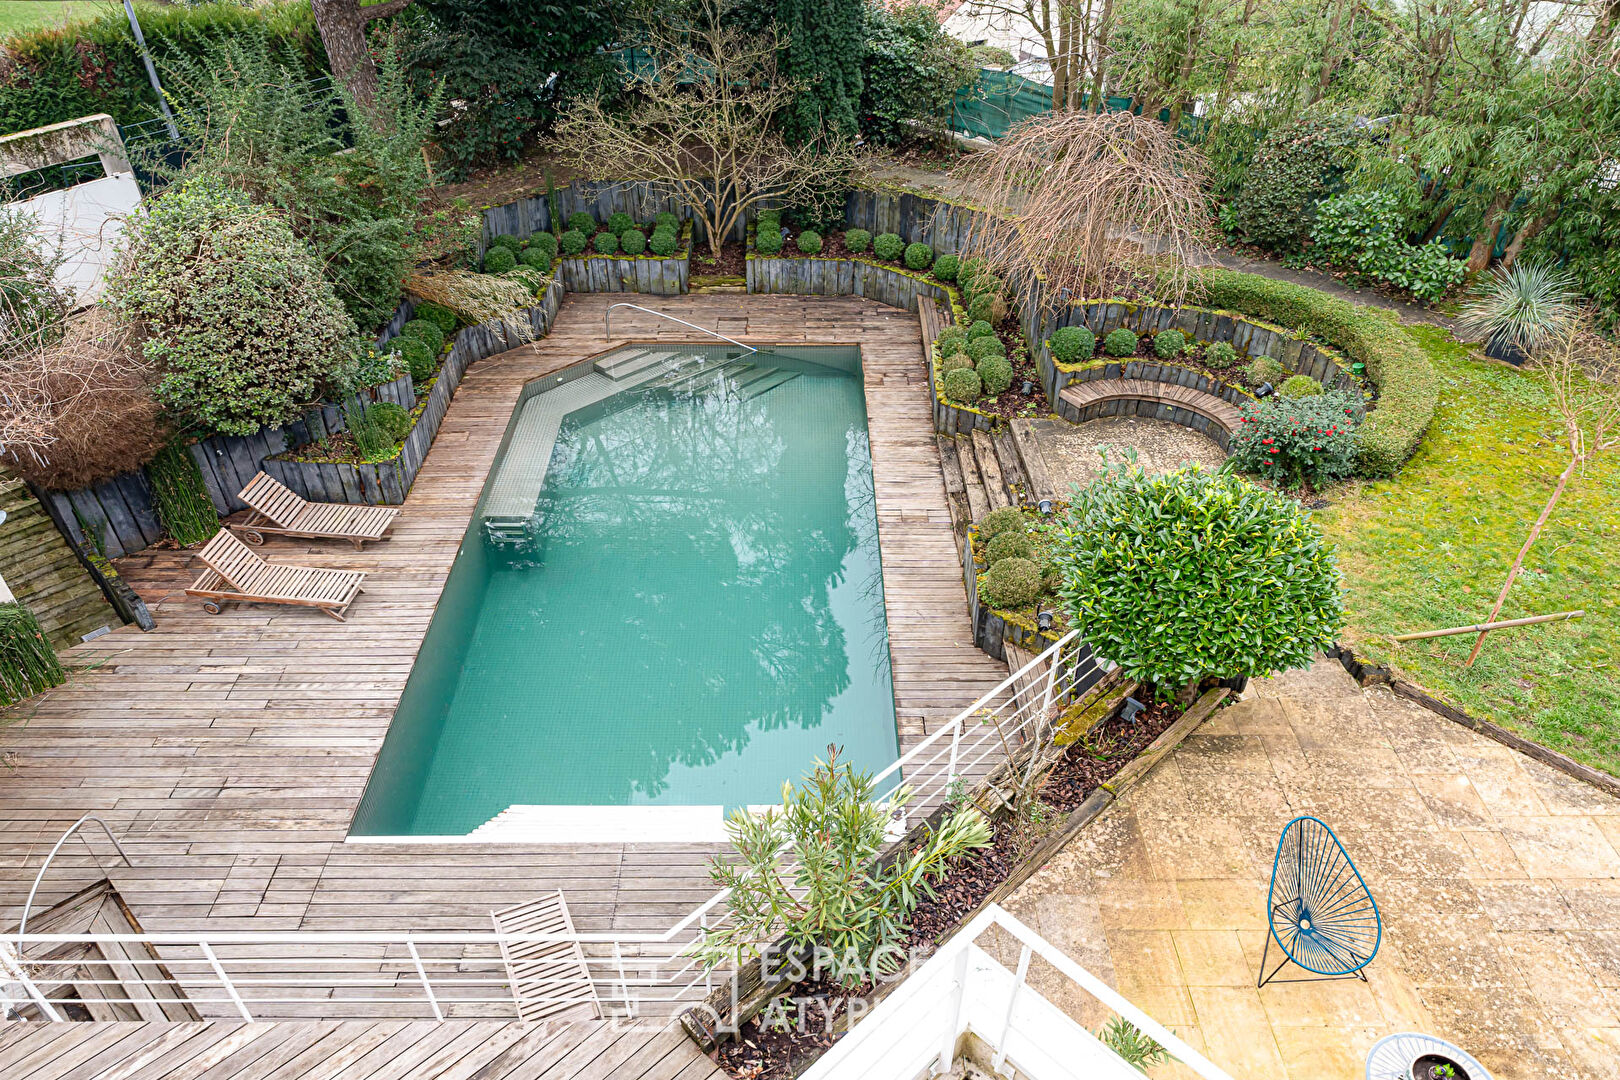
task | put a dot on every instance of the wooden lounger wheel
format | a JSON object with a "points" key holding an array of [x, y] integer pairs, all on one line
{"points": [[212, 607], [252, 536]]}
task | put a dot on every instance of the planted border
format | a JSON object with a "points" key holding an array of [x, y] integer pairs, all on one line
{"points": [[659, 275], [993, 631]]}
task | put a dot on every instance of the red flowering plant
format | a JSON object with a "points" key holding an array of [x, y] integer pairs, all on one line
{"points": [[1309, 440]]}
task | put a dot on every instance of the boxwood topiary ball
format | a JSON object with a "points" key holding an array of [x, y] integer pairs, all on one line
{"points": [[1299, 386], [1220, 355], [1168, 343], [996, 522], [997, 373], [919, 256], [666, 219], [1120, 342], [1264, 369], [1008, 545], [573, 242], [545, 243], [580, 221], [536, 256], [605, 243], [981, 347], [1069, 344], [620, 221], [498, 260], [857, 240], [951, 339], [663, 243], [419, 359], [633, 241], [439, 315], [987, 307], [1011, 583], [508, 241], [945, 267], [809, 241], [425, 331], [768, 242], [393, 420], [955, 361], [962, 386], [980, 329], [887, 246]]}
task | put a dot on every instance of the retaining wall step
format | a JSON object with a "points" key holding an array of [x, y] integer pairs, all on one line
{"points": [[1212, 408]]}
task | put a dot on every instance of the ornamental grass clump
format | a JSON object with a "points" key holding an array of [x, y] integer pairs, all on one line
{"points": [[1190, 574], [1072, 344], [28, 664], [1308, 440]]}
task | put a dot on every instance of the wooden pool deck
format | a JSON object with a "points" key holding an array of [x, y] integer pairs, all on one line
{"points": [[229, 752]]}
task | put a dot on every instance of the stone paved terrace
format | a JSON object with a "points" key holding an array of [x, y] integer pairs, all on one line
{"points": [[1498, 879]]}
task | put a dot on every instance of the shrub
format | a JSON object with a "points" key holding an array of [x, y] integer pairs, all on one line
{"points": [[980, 329], [1263, 369], [605, 243], [962, 386], [967, 271], [180, 497], [989, 345], [1011, 583], [508, 241], [1190, 573], [955, 361], [945, 267], [537, 257], [912, 71], [1302, 440], [1365, 232], [1168, 343], [426, 331], [1292, 169], [582, 222], [919, 256], [996, 373], [619, 221], [1220, 355], [996, 522], [438, 315], [768, 242], [498, 260], [888, 247], [666, 219], [1299, 386], [238, 319], [1014, 544], [1121, 342], [663, 243], [984, 283], [809, 241], [768, 219], [633, 241], [419, 359], [857, 239], [951, 339], [1521, 307], [394, 421], [988, 307], [1070, 344], [544, 243], [573, 242]]}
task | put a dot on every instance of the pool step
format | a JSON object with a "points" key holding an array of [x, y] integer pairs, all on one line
{"points": [[529, 824], [766, 385], [627, 362]]}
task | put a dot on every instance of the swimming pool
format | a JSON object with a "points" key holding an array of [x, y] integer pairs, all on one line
{"points": [[669, 596]]}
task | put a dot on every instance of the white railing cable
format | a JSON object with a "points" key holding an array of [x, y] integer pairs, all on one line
{"points": [[28, 906], [671, 318]]}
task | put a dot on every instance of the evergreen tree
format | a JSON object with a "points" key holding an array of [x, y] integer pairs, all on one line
{"points": [[824, 53]]}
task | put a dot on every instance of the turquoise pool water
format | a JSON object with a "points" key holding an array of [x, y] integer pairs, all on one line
{"points": [[670, 594]]}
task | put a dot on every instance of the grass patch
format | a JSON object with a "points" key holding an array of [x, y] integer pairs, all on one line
{"points": [[17, 16], [1430, 548]]}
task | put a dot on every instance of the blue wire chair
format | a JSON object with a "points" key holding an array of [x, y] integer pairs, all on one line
{"points": [[1321, 915]]}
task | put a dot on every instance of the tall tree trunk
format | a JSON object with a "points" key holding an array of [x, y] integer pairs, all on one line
{"points": [[1479, 256], [1330, 60], [343, 31], [1104, 25], [1527, 232]]}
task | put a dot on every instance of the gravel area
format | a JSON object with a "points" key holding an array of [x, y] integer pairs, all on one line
{"points": [[1072, 451]]}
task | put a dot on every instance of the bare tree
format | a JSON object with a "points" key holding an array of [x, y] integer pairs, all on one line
{"points": [[701, 127], [1583, 373], [1091, 203]]}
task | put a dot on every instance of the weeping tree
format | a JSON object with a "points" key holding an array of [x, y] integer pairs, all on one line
{"points": [[1093, 204]]}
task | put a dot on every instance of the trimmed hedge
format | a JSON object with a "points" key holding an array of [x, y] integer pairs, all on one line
{"points": [[1408, 388]]}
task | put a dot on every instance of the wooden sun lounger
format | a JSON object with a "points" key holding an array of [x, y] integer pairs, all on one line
{"points": [[235, 572], [280, 511]]}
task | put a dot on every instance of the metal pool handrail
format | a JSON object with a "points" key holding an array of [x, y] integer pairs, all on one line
{"points": [[700, 329]]}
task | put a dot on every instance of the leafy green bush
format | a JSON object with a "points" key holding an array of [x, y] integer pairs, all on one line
{"points": [[945, 267], [536, 257], [1121, 342], [507, 240], [438, 315], [619, 221], [235, 313], [967, 271], [1295, 167], [996, 522], [1299, 386], [1189, 573], [857, 240], [988, 345], [768, 220], [955, 361], [498, 260], [888, 247], [1263, 369], [663, 243], [633, 241], [768, 242], [667, 219], [605, 243], [919, 256], [809, 241], [1220, 355], [1304, 440], [545, 244], [962, 386], [1070, 344], [420, 360], [426, 331], [1013, 544], [573, 242], [987, 307], [1011, 584], [1168, 343], [1365, 232], [394, 421], [582, 221], [980, 329], [983, 283], [911, 73], [996, 373], [951, 339]]}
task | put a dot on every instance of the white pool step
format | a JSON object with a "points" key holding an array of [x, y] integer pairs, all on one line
{"points": [[627, 362], [528, 824]]}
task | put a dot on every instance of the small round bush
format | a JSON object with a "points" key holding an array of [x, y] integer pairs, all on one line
{"points": [[980, 329], [1008, 545], [945, 267], [545, 243], [987, 307], [573, 242], [857, 239], [1011, 583], [970, 269], [919, 256], [535, 257], [419, 359], [768, 242], [1120, 342], [1263, 369], [996, 522], [1299, 386], [888, 247], [426, 331], [771, 219], [605, 243], [667, 219], [955, 362], [984, 283], [619, 222], [508, 241], [996, 372], [1168, 343], [962, 386], [1220, 355], [809, 241], [498, 260], [981, 347], [663, 243], [391, 419], [1070, 344], [951, 339], [438, 315], [580, 221], [633, 241]]}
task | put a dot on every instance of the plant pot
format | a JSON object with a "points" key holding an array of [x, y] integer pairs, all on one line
{"points": [[1424, 1068], [1499, 349]]}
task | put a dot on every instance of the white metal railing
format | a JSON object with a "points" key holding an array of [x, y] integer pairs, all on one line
{"points": [[341, 974], [671, 318]]}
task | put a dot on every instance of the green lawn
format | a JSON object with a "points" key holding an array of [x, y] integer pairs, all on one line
{"points": [[1429, 549], [18, 15]]}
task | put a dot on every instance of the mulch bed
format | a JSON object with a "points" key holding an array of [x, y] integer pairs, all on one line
{"points": [[1013, 402], [760, 1053], [733, 259]]}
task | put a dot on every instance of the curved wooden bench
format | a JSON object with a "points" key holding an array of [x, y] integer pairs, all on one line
{"points": [[1156, 400]]}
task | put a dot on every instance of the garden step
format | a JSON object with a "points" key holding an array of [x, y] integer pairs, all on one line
{"points": [[1027, 445], [995, 485], [627, 362], [1212, 408]]}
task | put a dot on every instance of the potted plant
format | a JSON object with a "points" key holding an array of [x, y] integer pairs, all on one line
{"points": [[1517, 309], [1437, 1067]]}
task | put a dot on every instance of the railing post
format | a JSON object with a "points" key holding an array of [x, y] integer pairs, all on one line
{"points": [[225, 981], [421, 973], [624, 982], [11, 967], [947, 1042], [956, 740], [1043, 718], [1000, 1058]]}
